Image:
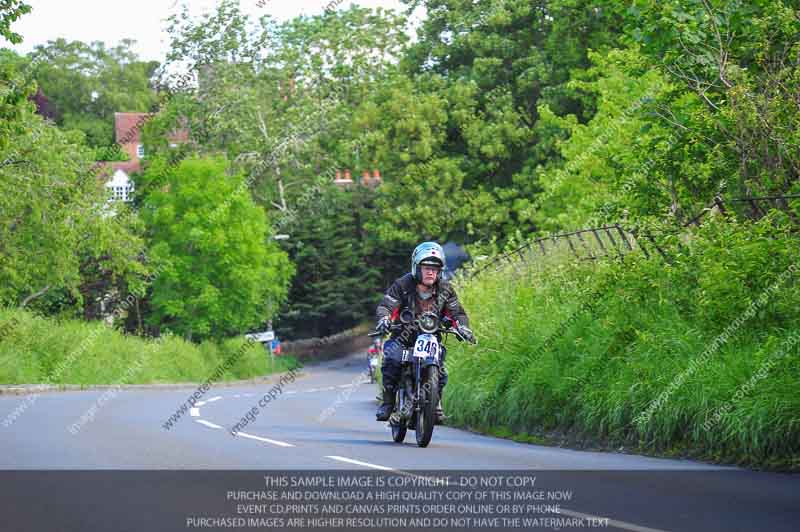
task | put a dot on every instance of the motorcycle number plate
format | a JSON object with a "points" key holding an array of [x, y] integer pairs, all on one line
{"points": [[426, 346]]}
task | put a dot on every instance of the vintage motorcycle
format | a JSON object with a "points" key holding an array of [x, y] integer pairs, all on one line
{"points": [[373, 361], [418, 392]]}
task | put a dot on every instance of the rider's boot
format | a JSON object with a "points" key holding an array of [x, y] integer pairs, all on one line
{"points": [[385, 410]]}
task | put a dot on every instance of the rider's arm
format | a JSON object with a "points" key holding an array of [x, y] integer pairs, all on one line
{"points": [[391, 300], [452, 306]]}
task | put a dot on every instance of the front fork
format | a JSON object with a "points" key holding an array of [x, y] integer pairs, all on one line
{"points": [[411, 397]]}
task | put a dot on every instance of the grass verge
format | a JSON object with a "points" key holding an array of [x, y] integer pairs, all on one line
{"points": [[36, 350], [695, 357]]}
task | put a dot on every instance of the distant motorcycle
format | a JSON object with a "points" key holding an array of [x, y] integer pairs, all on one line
{"points": [[373, 355], [418, 393]]}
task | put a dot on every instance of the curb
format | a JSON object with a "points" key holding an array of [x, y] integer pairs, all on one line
{"points": [[26, 389]]}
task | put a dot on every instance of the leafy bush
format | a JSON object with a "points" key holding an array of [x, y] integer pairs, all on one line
{"points": [[613, 351], [37, 350]]}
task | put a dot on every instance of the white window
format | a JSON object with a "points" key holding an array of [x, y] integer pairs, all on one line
{"points": [[120, 187], [139, 151]]}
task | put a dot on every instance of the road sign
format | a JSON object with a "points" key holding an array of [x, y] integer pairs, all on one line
{"points": [[266, 336]]}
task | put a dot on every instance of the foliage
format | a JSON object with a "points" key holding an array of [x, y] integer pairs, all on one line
{"points": [[741, 61], [342, 267], [586, 366], [718, 116], [54, 230], [221, 272], [10, 11], [277, 98], [492, 64], [110, 153], [39, 350], [622, 164], [88, 83]]}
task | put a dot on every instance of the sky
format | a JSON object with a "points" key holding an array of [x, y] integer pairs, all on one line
{"points": [[111, 21]]}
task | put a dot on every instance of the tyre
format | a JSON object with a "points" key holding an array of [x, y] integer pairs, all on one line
{"points": [[426, 415], [397, 423]]}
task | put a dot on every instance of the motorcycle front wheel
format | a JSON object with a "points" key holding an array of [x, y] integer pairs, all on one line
{"points": [[398, 423], [429, 397]]}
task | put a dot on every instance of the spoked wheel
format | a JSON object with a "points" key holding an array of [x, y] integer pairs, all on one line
{"points": [[429, 396], [397, 422]]}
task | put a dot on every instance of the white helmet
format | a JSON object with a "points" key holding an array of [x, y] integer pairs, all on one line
{"points": [[429, 253]]}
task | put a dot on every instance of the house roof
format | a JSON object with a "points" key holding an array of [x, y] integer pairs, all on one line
{"points": [[128, 167], [105, 170], [128, 126]]}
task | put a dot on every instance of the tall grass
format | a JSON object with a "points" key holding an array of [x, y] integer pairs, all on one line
{"points": [[36, 350], [576, 351]]}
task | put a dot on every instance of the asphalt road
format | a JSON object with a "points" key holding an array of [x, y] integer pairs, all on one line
{"points": [[324, 420]]}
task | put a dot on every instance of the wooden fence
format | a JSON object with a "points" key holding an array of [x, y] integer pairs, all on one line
{"points": [[615, 241]]}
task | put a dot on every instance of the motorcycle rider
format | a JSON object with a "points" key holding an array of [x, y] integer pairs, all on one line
{"points": [[421, 290]]}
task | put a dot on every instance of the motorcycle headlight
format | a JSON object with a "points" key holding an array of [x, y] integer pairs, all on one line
{"points": [[428, 322]]}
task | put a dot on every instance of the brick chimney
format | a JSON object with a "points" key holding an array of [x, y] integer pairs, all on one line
{"points": [[372, 181], [345, 181]]}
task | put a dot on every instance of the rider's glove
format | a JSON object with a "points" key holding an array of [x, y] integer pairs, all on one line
{"points": [[467, 333], [383, 325]]}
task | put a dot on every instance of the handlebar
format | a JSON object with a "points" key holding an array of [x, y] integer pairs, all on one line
{"points": [[445, 330], [392, 328]]}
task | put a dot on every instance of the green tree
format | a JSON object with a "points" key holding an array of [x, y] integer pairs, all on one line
{"points": [[56, 234], [278, 99], [740, 59], [702, 102], [342, 267], [10, 11], [460, 125], [512, 57], [221, 272], [88, 83]]}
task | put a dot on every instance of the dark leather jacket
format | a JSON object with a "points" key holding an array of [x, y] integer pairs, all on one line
{"points": [[402, 295]]}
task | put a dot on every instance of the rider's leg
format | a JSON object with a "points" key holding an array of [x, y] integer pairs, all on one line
{"points": [[390, 371]]}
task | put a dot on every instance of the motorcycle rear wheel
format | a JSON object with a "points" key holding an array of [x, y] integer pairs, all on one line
{"points": [[426, 415]]}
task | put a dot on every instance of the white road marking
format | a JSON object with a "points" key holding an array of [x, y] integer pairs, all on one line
{"points": [[345, 385], [208, 423], [217, 398], [194, 412], [266, 440], [613, 522], [376, 466], [290, 392], [200, 403], [365, 464], [312, 390]]}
